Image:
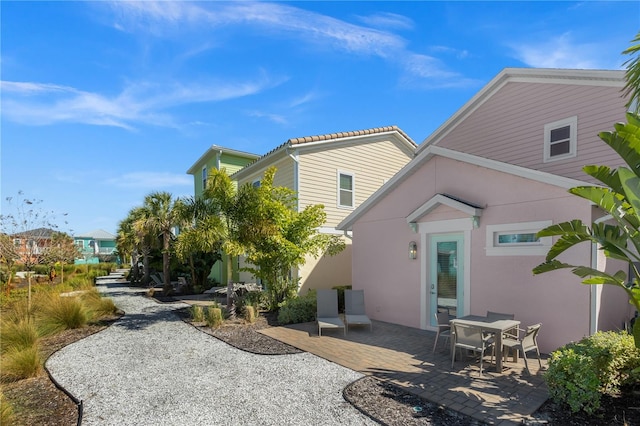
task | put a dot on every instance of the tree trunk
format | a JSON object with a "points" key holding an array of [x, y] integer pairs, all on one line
{"points": [[231, 302], [166, 270]]}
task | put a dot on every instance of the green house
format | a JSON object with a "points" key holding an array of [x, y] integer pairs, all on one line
{"points": [[94, 245], [231, 160]]}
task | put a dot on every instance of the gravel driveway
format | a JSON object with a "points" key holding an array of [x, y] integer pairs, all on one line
{"points": [[151, 368]]}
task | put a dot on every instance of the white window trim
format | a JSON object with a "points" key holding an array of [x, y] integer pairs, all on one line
{"points": [[522, 249], [204, 175], [572, 122], [353, 190]]}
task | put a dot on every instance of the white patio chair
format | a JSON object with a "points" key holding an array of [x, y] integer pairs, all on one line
{"points": [[444, 328], [327, 311], [471, 338], [354, 310], [528, 343]]}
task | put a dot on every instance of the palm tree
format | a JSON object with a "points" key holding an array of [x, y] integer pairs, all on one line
{"points": [[619, 197], [201, 234], [159, 217], [135, 241]]}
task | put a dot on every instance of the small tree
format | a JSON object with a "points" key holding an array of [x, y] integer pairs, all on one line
{"points": [[619, 197], [278, 238], [61, 251], [32, 227]]}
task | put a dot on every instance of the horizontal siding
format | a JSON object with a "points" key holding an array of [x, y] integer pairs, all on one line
{"points": [[509, 127], [371, 163], [284, 174], [233, 163]]}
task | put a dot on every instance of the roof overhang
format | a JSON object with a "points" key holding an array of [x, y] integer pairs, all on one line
{"points": [[214, 150], [444, 200]]}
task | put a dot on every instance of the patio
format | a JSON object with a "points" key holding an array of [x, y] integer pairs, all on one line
{"points": [[402, 355]]}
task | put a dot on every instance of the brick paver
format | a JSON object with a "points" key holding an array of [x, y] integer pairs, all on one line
{"points": [[402, 355]]}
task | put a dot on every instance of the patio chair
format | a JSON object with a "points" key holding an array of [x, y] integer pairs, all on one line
{"points": [[496, 316], [471, 338], [528, 343], [327, 310], [354, 310], [444, 328]]}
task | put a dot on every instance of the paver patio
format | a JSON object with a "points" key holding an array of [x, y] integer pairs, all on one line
{"points": [[402, 355]]}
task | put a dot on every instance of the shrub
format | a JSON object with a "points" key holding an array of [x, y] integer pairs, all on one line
{"points": [[197, 313], [213, 317], [250, 314], [19, 334], [579, 373], [299, 309], [18, 364], [97, 306], [61, 313], [7, 416], [341, 289]]}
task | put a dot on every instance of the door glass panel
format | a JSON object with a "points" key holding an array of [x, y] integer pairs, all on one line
{"points": [[447, 279]]}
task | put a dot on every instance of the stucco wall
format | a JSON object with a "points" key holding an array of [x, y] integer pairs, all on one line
{"points": [[393, 284]]}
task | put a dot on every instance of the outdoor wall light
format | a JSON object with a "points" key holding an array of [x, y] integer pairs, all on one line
{"points": [[413, 250]]}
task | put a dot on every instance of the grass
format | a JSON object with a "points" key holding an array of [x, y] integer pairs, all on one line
{"points": [[62, 313], [20, 363], [19, 334], [97, 305], [197, 313], [7, 416]]}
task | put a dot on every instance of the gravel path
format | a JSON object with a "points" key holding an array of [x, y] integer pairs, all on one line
{"points": [[150, 368]]}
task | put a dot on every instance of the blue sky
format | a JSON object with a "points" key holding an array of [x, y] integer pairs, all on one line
{"points": [[105, 102]]}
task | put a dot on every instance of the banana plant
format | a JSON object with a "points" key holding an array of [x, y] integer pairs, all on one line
{"points": [[619, 198]]}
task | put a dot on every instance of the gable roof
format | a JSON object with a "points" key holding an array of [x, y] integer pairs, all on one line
{"points": [[609, 78], [329, 138], [97, 234], [215, 149], [431, 151], [444, 200]]}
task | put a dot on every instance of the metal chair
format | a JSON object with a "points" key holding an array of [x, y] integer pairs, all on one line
{"points": [[444, 328], [528, 343], [471, 338]]}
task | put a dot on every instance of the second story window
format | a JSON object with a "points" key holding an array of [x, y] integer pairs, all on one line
{"points": [[345, 190], [204, 177], [256, 184], [560, 139]]}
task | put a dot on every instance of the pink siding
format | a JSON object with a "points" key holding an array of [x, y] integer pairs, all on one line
{"points": [[507, 129], [504, 283]]}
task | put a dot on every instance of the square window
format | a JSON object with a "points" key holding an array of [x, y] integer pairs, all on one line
{"points": [[345, 190], [560, 140]]}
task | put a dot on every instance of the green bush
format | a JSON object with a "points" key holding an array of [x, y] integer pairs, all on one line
{"points": [[579, 373], [196, 313], [299, 309], [213, 317], [18, 364], [19, 334], [61, 313], [341, 289], [249, 314]]}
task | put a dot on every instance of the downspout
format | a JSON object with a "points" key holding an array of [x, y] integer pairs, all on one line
{"points": [[594, 298], [218, 161]]}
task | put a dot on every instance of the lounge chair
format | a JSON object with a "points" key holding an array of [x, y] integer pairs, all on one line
{"points": [[327, 312], [354, 310]]}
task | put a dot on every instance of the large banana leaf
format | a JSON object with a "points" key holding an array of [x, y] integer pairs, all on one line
{"points": [[611, 202], [605, 175], [625, 140]]}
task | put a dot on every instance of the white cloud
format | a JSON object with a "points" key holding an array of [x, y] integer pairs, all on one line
{"points": [[143, 102], [388, 20], [276, 118], [561, 52], [151, 180], [283, 20]]}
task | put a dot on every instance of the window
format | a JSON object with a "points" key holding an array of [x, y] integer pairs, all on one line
{"points": [[345, 190], [256, 183], [517, 239], [16, 242], [560, 139], [80, 243], [204, 177]]}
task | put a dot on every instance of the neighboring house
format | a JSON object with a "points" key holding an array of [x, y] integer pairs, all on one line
{"points": [[30, 245], [94, 245], [340, 171], [219, 158], [468, 206]]}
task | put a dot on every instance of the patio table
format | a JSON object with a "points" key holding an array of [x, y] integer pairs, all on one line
{"points": [[498, 327]]}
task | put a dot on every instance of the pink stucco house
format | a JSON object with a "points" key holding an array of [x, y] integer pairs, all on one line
{"points": [[468, 206]]}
